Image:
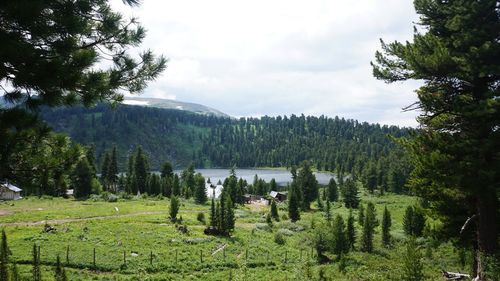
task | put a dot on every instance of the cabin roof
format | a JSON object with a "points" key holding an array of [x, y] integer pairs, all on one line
{"points": [[11, 187]]}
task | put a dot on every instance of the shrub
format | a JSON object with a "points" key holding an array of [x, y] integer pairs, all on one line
{"points": [[201, 217], [263, 226], [285, 232], [279, 238]]}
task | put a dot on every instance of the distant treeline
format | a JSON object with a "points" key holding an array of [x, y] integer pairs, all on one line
{"points": [[333, 144]]}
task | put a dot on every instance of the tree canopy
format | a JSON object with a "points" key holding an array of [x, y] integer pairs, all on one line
{"points": [[455, 53]]}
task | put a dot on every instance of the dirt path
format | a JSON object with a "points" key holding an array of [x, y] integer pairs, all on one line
{"points": [[62, 221]]}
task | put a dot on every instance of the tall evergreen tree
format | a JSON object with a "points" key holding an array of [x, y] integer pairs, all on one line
{"points": [[83, 179], [4, 258], [141, 169], [293, 204], [328, 212], [36, 272], [413, 221], [174, 208], [308, 184], [351, 196], [370, 178], [368, 228], [15, 276], [60, 273], [351, 230], [200, 194], [90, 154], [386, 227], [105, 170], [213, 214], [112, 173], [188, 183], [167, 170], [455, 54], [340, 240], [176, 186], [361, 214], [412, 262], [333, 193], [228, 218], [274, 211]]}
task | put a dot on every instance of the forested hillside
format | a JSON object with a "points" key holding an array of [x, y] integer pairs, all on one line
{"points": [[333, 144]]}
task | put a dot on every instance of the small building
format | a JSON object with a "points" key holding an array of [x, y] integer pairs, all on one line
{"points": [[278, 196], [213, 191], [250, 198], [9, 192]]}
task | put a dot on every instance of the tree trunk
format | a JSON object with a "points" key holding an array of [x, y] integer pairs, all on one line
{"points": [[487, 229]]}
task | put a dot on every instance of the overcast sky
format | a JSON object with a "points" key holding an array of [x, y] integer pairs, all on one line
{"points": [[254, 58]]}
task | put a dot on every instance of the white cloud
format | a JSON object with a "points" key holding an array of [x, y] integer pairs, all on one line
{"points": [[252, 58]]}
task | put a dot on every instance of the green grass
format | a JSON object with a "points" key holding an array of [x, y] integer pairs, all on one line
{"points": [[140, 227]]}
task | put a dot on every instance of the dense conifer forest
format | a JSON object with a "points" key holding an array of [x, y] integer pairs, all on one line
{"points": [[331, 144]]}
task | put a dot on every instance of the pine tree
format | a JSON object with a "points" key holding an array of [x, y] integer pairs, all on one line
{"points": [[386, 227], [37, 274], [351, 197], [454, 53], [274, 211], [293, 205], [361, 214], [368, 228], [370, 178], [141, 169], [413, 221], [167, 170], [351, 231], [105, 169], [333, 193], [328, 212], [200, 195], [340, 240], [319, 203], [90, 154], [412, 262], [213, 214], [228, 218], [60, 273], [174, 208], [4, 258], [15, 273], [83, 179], [112, 173], [308, 184], [176, 186]]}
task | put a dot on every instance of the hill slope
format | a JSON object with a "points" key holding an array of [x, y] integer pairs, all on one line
{"points": [[333, 144]]}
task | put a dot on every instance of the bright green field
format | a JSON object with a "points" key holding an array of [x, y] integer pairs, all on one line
{"points": [[138, 228]]}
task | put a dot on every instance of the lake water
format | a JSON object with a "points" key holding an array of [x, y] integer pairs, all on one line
{"points": [[282, 177]]}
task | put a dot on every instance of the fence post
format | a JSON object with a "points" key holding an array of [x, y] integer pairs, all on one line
{"points": [[67, 255], [151, 258], [39, 253], [124, 258], [201, 256], [94, 258], [246, 254], [176, 256]]}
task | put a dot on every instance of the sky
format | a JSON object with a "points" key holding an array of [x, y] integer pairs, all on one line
{"points": [[277, 57]]}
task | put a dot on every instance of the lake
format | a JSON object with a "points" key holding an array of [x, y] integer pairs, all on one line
{"points": [[282, 177]]}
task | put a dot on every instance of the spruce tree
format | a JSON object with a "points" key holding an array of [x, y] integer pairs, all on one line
{"points": [[105, 169], [83, 179], [328, 212], [293, 205], [141, 169], [340, 240], [368, 228], [361, 214], [333, 193], [454, 54], [308, 184], [200, 195], [60, 273], [174, 208], [4, 258], [15, 276], [90, 154], [167, 170], [351, 230], [412, 262], [386, 227], [213, 214], [351, 196], [37, 274], [176, 186], [112, 173], [413, 221], [274, 211], [228, 218]]}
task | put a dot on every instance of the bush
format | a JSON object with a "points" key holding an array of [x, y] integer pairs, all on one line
{"points": [[263, 226], [109, 197], [124, 195], [291, 226], [279, 238], [201, 218], [285, 232]]}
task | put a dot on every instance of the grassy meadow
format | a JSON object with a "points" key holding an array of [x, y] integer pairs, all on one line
{"points": [[134, 240]]}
